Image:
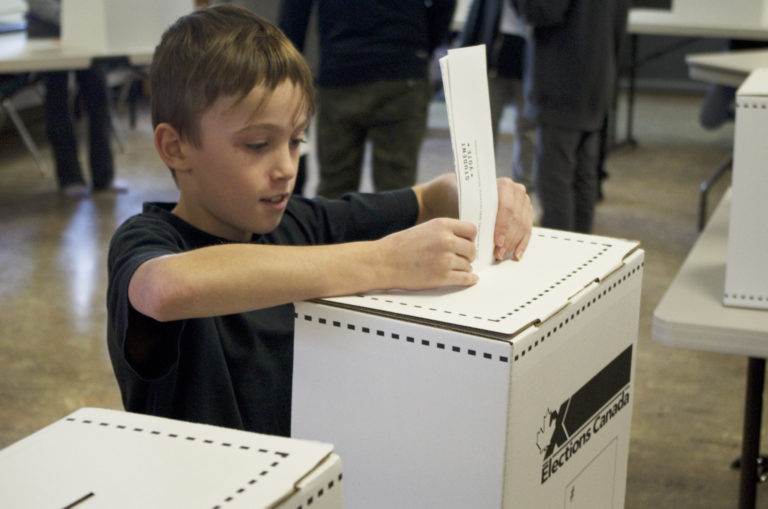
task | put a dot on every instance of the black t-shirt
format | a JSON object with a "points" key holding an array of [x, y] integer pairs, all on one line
{"points": [[233, 370]]}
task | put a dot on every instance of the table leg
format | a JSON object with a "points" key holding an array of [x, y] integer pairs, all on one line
{"points": [[634, 63], [631, 98], [632, 76], [753, 409], [705, 187]]}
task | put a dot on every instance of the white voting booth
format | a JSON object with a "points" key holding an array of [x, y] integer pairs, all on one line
{"points": [[513, 393], [96, 458], [746, 280], [114, 26]]}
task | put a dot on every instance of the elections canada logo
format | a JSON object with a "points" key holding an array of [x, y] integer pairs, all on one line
{"points": [[566, 430]]}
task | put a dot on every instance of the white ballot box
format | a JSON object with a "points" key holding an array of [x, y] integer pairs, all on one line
{"points": [[117, 27], [746, 277], [111, 459], [514, 393]]}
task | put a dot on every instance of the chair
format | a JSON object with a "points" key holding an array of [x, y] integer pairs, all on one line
{"points": [[10, 87]]}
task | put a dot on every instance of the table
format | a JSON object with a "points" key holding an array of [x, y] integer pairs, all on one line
{"points": [[729, 68], [668, 23], [663, 22], [20, 54], [691, 315]]}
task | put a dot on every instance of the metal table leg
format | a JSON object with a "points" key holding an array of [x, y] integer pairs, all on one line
{"points": [[705, 187], [750, 445]]}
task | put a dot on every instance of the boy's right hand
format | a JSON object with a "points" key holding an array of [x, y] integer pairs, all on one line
{"points": [[430, 255]]}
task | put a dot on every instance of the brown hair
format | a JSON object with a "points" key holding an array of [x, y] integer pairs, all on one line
{"points": [[222, 50]]}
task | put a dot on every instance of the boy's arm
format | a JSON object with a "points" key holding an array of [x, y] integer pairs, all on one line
{"points": [[514, 219], [233, 278]]}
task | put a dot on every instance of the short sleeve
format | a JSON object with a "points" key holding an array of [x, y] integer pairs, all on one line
{"points": [[139, 239]]}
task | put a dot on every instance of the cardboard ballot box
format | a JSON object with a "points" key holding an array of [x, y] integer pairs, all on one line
{"points": [[118, 27], [111, 459], [746, 278], [514, 393]]}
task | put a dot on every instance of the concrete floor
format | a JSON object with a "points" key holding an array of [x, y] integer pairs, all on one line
{"points": [[688, 405]]}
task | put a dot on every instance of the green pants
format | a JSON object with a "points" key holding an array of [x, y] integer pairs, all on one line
{"points": [[392, 115]]}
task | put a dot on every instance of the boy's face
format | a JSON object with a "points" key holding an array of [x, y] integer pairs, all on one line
{"points": [[241, 176]]}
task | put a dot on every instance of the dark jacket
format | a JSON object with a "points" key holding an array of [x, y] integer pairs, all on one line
{"points": [[573, 57], [370, 40]]}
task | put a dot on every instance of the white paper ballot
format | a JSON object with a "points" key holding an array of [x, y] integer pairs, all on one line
{"points": [[465, 82]]}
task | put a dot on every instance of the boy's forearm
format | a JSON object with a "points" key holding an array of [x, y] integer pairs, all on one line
{"points": [[235, 278]]}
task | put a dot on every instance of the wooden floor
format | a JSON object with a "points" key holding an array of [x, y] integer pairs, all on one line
{"points": [[688, 405]]}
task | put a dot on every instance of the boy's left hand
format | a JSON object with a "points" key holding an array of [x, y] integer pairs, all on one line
{"points": [[514, 220]]}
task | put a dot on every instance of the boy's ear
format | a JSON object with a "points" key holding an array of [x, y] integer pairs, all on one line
{"points": [[170, 147]]}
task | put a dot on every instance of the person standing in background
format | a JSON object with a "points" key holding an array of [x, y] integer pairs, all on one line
{"points": [[373, 84], [495, 24], [571, 67], [43, 20]]}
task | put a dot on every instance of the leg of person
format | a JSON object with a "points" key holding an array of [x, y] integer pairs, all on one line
{"points": [[523, 148], [60, 130], [602, 174], [397, 131], [498, 94], [504, 91], [555, 166], [585, 183], [340, 139], [93, 90]]}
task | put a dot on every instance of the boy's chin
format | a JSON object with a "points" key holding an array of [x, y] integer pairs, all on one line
{"points": [[265, 227]]}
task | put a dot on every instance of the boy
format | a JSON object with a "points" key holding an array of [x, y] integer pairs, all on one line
{"points": [[200, 291]]}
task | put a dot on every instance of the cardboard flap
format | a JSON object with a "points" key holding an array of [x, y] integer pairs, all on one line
{"points": [[510, 295], [120, 459]]}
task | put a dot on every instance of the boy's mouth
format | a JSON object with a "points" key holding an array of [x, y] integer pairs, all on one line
{"points": [[279, 200]]}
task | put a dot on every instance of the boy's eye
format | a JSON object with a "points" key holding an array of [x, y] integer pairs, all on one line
{"points": [[257, 146], [298, 141]]}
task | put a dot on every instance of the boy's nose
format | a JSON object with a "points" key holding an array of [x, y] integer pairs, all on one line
{"points": [[285, 165]]}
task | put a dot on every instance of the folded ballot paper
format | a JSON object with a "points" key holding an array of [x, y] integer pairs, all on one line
{"points": [[465, 82]]}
